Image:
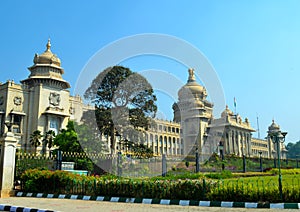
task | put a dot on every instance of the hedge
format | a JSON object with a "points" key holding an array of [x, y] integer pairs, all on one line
{"points": [[60, 182]]}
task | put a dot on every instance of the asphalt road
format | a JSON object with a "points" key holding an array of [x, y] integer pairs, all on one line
{"points": [[68, 205]]}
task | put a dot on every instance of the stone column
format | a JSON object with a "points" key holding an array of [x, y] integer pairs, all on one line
{"points": [[232, 141], [238, 143], [249, 144], [7, 165]]}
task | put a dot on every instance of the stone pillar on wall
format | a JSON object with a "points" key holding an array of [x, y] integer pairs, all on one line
{"points": [[7, 164]]}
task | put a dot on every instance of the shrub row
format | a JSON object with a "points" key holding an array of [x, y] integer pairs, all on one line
{"points": [[45, 181], [292, 171], [60, 182], [249, 193]]}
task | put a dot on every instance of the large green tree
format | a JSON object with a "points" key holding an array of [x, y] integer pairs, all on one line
{"points": [[293, 150], [124, 103]]}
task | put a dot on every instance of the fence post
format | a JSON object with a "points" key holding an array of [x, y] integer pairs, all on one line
{"points": [[244, 163], [119, 164], [164, 165], [59, 160], [260, 164], [197, 162], [7, 164]]}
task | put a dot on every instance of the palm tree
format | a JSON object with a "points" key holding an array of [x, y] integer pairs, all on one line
{"points": [[48, 140], [35, 139]]}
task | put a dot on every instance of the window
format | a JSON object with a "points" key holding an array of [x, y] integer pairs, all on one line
{"points": [[160, 127], [54, 125], [16, 123]]}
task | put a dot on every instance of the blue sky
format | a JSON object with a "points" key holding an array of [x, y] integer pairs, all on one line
{"points": [[254, 46]]}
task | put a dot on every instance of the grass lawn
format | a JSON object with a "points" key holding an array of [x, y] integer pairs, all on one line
{"points": [[289, 181]]}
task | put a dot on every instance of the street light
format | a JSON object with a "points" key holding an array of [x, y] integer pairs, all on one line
{"points": [[260, 162], [278, 137], [221, 148], [8, 124]]}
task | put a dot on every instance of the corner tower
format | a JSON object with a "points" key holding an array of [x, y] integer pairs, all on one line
{"points": [[194, 112], [46, 70], [48, 97]]}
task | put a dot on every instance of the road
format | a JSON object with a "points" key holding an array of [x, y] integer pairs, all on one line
{"points": [[84, 205]]}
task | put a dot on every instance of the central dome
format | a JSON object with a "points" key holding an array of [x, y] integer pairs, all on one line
{"points": [[192, 87], [47, 57]]}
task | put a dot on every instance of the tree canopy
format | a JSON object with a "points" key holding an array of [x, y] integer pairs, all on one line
{"points": [[67, 140], [124, 103], [293, 150]]}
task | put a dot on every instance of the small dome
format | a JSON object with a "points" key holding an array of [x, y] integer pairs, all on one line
{"points": [[274, 126], [227, 112], [47, 57], [192, 87]]}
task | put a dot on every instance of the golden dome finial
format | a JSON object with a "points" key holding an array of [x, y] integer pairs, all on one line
{"points": [[191, 75], [47, 57], [48, 45]]}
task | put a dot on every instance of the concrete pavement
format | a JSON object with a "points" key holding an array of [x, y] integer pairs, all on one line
{"points": [[88, 205]]}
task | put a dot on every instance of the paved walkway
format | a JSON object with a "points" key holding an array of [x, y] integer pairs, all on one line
{"points": [[88, 205]]}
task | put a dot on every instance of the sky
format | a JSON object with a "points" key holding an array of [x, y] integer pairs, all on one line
{"points": [[253, 46]]}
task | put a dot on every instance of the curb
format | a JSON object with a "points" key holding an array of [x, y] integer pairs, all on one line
{"points": [[165, 201], [19, 209]]}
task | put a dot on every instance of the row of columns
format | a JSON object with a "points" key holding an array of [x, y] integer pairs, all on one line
{"points": [[237, 142], [162, 144]]}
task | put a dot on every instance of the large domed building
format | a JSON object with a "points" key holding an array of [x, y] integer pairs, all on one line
{"points": [[41, 102]]}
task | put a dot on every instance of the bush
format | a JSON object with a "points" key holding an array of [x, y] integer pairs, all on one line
{"points": [[60, 182], [284, 171], [187, 164], [188, 186], [249, 193], [220, 175]]}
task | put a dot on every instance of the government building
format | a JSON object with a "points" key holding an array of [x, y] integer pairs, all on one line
{"points": [[43, 102]]}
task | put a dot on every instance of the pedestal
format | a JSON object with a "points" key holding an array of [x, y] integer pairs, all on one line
{"points": [[7, 165]]}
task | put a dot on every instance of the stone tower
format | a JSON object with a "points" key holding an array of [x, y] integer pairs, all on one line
{"points": [[194, 112], [46, 95]]}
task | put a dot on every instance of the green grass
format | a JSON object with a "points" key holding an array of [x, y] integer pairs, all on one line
{"points": [[288, 181]]}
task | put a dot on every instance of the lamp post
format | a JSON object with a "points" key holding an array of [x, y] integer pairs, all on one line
{"points": [[197, 161], [8, 124], [221, 148], [260, 162], [278, 137]]}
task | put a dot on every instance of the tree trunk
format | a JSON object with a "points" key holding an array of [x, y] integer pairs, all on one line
{"points": [[112, 139]]}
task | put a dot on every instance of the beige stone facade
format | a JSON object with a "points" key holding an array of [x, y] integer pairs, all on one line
{"points": [[40, 102], [43, 102], [164, 138]]}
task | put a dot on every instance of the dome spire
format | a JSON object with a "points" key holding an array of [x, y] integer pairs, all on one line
{"points": [[191, 75], [48, 45], [47, 57]]}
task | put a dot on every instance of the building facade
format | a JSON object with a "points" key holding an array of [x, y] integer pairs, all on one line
{"points": [[43, 102], [40, 102]]}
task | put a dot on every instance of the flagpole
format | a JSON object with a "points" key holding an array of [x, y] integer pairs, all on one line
{"points": [[234, 102], [258, 133]]}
